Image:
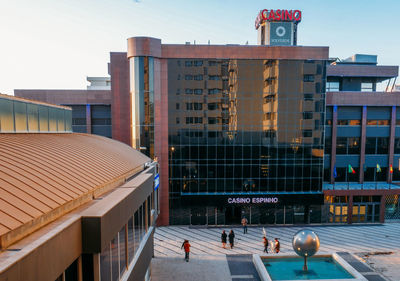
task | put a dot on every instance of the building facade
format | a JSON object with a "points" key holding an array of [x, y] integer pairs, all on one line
{"points": [[279, 134]]}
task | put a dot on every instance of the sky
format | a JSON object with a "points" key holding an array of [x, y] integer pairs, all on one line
{"points": [[56, 44]]}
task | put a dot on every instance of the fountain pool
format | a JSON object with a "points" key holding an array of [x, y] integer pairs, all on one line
{"points": [[320, 267]]}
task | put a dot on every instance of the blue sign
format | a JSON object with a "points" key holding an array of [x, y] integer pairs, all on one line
{"points": [[156, 181]]}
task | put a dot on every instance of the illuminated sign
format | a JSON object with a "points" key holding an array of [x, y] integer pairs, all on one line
{"points": [[255, 200], [277, 15]]}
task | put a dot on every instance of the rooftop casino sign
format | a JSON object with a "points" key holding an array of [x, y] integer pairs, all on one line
{"points": [[277, 15]]}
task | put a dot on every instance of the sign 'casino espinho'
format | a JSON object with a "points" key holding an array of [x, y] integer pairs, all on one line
{"points": [[277, 15]]}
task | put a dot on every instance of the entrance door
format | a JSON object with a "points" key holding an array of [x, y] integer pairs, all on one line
{"points": [[198, 216], [233, 215], [366, 212]]}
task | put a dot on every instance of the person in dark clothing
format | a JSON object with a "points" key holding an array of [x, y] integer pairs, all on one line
{"points": [[231, 238], [265, 241], [277, 245], [186, 246], [223, 238]]}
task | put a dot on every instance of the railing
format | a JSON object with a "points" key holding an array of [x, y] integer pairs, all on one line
{"points": [[360, 186]]}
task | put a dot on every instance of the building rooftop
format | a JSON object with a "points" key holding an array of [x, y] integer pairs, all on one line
{"points": [[44, 176], [14, 98]]}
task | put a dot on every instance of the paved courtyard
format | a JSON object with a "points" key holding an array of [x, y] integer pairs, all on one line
{"points": [[376, 245]]}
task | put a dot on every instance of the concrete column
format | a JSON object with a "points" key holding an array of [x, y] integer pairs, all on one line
{"points": [[350, 209], [88, 119], [333, 150], [363, 140], [391, 143]]}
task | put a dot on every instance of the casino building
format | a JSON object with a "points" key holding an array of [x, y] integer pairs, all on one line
{"points": [[269, 132]]}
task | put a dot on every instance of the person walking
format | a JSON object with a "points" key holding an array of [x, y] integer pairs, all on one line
{"points": [[231, 238], [277, 246], [265, 241], [244, 223], [223, 239], [186, 247]]}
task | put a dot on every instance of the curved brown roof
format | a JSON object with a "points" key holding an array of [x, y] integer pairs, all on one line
{"points": [[43, 176]]}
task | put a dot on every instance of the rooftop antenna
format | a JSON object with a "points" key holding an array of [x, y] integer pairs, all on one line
{"points": [[247, 42], [194, 43], [208, 42]]}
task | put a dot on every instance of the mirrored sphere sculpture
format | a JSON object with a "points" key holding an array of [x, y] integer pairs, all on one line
{"points": [[305, 243]]}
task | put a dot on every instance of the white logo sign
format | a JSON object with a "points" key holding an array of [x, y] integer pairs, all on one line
{"points": [[280, 31], [255, 200]]}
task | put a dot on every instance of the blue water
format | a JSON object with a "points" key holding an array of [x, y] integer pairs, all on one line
{"points": [[292, 269]]}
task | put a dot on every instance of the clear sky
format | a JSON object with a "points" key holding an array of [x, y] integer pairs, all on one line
{"points": [[55, 44]]}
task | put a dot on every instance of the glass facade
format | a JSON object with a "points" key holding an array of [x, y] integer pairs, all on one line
{"points": [[245, 127], [126, 243], [142, 94]]}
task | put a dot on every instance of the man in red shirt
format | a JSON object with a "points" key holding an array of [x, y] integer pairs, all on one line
{"points": [[186, 246]]}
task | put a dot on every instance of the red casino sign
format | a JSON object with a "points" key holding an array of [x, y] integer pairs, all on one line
{"points": [[277, 15]]}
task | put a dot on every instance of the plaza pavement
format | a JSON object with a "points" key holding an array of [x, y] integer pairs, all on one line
{"points": [[377, 245]]}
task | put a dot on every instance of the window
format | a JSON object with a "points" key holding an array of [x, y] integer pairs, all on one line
{"points": [[198, 77], [198, 91], [213, 120], [188, 63], [353, 145], [194, 120], [397, 146], [177, 106], [332, 86], [194, 106], [188, 91], [328, 122], [307, 133], [212, 106], [347, 145], [376, 145], [212, 63], [308, 78], [308, 97], [378, 122], [178, 92], [78, 121], [188, 77], [177, 120], [366, 87], [382, 145], [214, 77], [214, 91], [307, 115], [341, 146], [198, 63], [178, 77], [198, 106], [348, 122], [328, 145], [316, 124]]}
